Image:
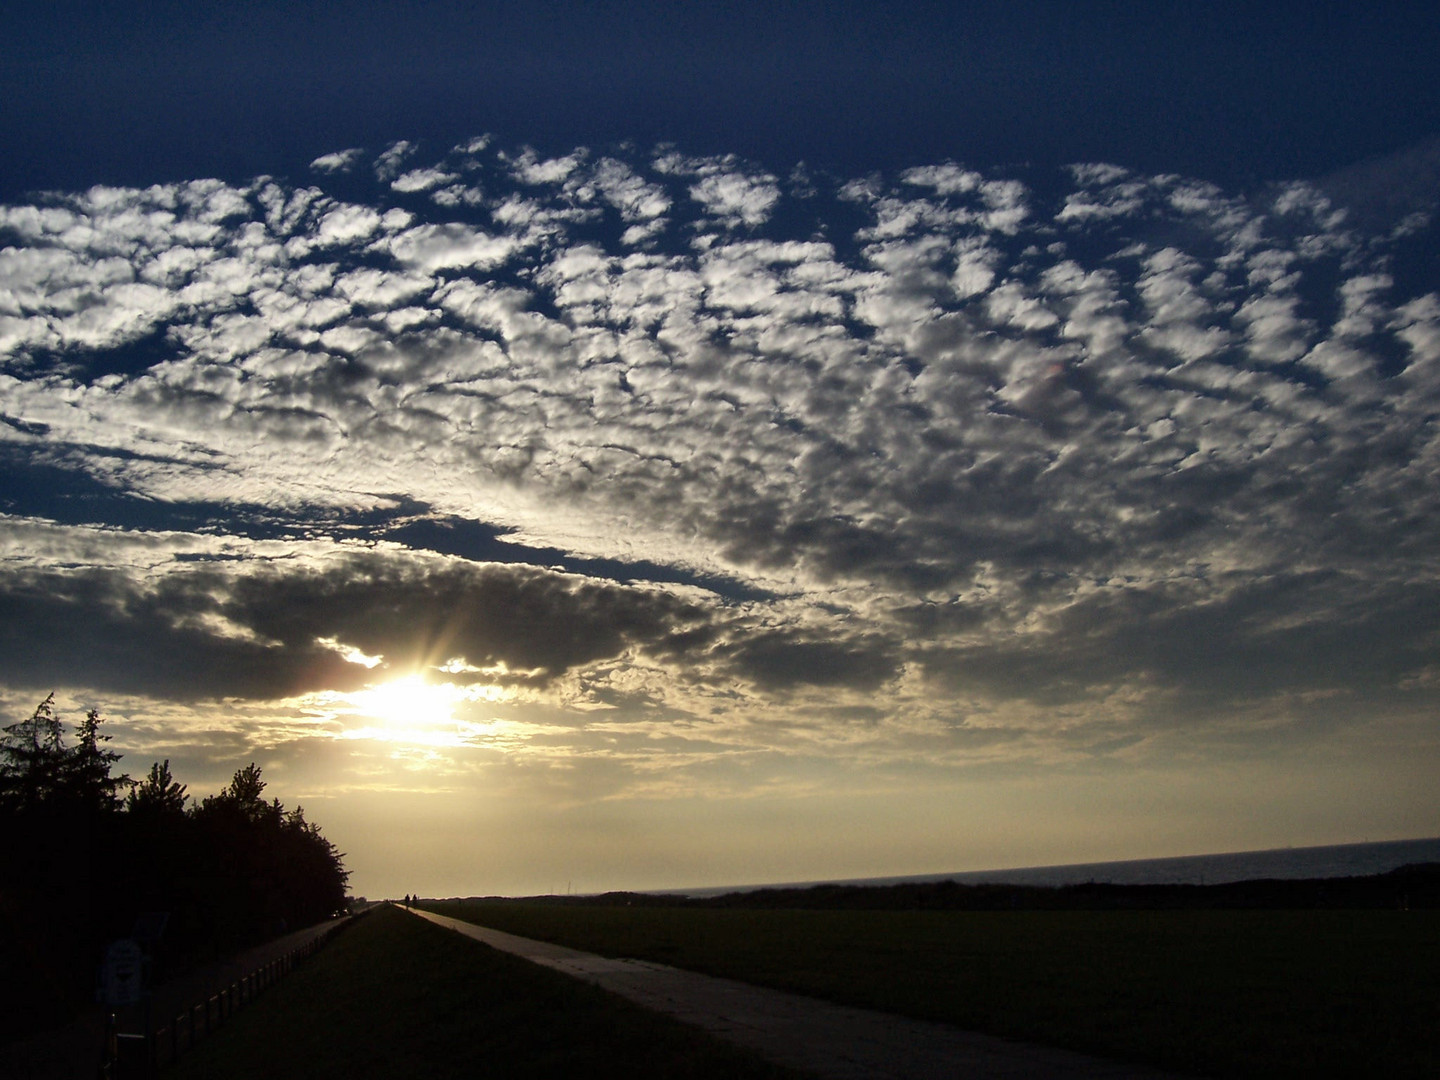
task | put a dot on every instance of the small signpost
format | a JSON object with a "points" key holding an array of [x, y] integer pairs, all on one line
{"points": [[125, 975], [122, 977], [122, 983]]}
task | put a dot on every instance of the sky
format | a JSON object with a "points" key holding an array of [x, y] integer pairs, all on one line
{"points": [[574, 447]]}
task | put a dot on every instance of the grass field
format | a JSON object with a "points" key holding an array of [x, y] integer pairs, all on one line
{"points": [[395, 996], [1219, 993]]}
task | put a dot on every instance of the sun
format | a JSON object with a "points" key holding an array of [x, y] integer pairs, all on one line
{"points": [[408, 705], [410, 711]]}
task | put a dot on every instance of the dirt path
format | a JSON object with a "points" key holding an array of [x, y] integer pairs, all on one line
{"points": [[805, 1033]]}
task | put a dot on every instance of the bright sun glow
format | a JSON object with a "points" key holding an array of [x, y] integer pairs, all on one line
{"points": [[411, 711], [410, 702], [407, 710]]}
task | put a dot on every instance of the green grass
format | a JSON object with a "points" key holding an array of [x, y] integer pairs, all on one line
{"points": [[395, 996], [1220, 993]]}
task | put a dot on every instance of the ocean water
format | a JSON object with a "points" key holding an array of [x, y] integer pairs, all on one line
{"points": [[1336, 860]]}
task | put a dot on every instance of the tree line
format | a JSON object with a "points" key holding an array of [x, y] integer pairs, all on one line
{"points": [[85, 851]]}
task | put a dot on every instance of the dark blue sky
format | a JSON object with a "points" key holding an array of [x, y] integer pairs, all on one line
{"points": [[132, 94]]}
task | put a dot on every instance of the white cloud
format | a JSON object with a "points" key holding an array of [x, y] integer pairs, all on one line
{"points": [[1419, 327], [436, 247], [1274, 331], [736, 198], [528, 168], [388, 165], [635, 198], [346, 225], [458, 195], [1011, 304], [422, 180], [975, 264], [341, 161], [945, 179], [472, 147], [381, 289], [1006, 207]]}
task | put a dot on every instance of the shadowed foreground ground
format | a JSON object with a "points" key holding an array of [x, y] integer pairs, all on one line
{"points": [[397, 997], [1215, 993]]}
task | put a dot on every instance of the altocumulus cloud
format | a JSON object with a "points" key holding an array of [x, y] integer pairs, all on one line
{"points": [[944, 452]]}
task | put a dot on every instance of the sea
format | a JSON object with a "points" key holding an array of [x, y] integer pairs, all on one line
{"points": [[1334, 860]]}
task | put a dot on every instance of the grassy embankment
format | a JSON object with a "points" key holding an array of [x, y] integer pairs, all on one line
{"points": [[1221, 993], [395, 996]]}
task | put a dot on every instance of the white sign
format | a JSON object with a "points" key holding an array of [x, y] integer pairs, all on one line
{"points": [[123, 973]]}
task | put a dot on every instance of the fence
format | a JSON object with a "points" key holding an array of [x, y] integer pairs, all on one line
{"points": [[135, 1056]]}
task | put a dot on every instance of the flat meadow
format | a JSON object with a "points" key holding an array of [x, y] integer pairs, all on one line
{"points": [[1274, 993]]}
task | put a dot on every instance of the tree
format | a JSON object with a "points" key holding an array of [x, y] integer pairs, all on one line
{"points": [[87, 768], [38, 771], [272, 868], [75, 872], [32, 755], [246, 786], [242, 798], [64, 853], [159, 794]]}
